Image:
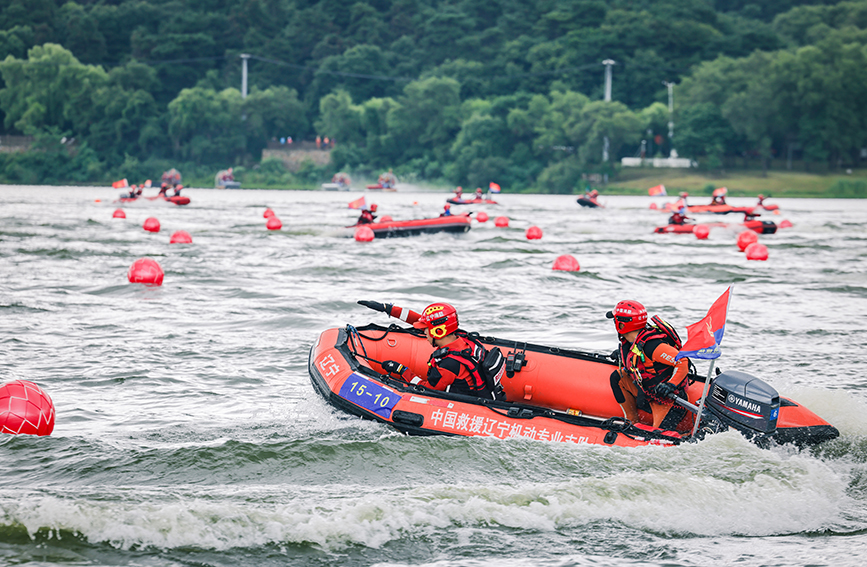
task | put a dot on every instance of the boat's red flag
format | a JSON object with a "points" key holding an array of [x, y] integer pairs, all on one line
{"points": [[358, 203], [705, 336], [658, 190], [493, 187], [120, 184]]}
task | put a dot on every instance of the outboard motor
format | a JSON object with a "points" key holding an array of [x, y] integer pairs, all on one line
{"points": [[744, 402]]}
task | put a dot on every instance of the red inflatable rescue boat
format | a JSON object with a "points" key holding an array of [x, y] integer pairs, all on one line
{"points": [[552, 394], [453, 223]]}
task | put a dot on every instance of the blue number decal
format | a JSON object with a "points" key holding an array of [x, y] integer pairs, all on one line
{"points": [[369, 395]]}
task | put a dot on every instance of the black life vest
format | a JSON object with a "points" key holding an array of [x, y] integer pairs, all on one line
{"points": [[486, 368]]}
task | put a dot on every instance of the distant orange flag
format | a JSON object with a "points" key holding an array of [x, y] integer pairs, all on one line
{"points": [[658, 190], [358, 203], [120, 184]]}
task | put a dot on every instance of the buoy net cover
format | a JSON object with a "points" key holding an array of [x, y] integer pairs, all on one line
{"points": [[25, 409]]}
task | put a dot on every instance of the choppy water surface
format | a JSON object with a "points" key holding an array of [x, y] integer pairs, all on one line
{"points": [[188, 432]]}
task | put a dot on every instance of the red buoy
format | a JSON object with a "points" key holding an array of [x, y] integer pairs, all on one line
{"points": [[701, 231], [364, 234], [786, 224], [501, 221], [756, 251], [273, 223], [566, 263], [25, 409], [118, 214], [145, 271], [653, 206], [482, 217], [386, 218], [746, 238], [181, 237], [268, 214], [534, 233], [151, 224]]}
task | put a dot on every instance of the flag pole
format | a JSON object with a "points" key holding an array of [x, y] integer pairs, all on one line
{"points": [[703, 396]]}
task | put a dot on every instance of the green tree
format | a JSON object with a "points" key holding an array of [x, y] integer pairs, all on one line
{"points": [[600, 120], [339, 118], [702, 131], [207, 126], [426, 119], [272, 113], [79, 32], [820, 93], [51, 88]]}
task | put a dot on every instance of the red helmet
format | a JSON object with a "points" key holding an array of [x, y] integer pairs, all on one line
{"points": [[628, 315], [373, 207], [447, 206], [440, 318]]}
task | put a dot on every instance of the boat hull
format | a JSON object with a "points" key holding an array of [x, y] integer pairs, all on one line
{"points": [[456, 201], [590, 203]]}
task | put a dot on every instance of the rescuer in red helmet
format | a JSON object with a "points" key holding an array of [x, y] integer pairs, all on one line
{"points": [[367, 216], [456, 363], [447, 211], [647, 373]]}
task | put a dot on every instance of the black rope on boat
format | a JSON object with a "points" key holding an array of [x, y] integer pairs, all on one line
{"points": [[358, 336]]}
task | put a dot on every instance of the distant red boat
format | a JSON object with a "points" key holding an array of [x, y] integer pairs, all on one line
{"points": [[684, 228], [454, 223]]}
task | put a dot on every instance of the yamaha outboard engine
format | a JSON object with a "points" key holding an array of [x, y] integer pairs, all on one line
{"points": [[744, 402]]}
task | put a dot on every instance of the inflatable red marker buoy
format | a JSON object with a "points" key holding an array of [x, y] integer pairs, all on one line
{"points": [[566, 263], [785, 224], [118, 214], [386, 218], [151, 224], [145, 271], [653, 206], [273, 223], [181, 237], [25, 409], [364, 234], [701, 231], [268, 214], [746, 238], [482, 217], [534, 233], [501, 221], [756, 251]]}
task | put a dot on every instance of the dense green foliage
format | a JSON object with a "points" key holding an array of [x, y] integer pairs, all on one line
{"points": [[456, 90]]}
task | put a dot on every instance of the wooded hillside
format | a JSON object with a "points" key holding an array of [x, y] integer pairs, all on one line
{"points": [[460, 91]]}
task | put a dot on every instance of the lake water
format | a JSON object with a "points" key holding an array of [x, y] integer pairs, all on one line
{"points": [[188, 432]]}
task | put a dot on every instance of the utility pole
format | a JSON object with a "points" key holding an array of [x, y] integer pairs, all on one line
{"points": [[608, 63], [670, 110], [244, 58]]}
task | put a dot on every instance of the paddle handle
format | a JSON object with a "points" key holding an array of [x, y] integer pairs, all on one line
{"points": [[407, 315]]}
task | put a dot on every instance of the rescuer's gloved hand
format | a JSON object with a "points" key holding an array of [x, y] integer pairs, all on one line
{"points": [[393, 367], [665, 389]]}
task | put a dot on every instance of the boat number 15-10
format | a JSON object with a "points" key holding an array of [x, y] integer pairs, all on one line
{"points": [[369, 395]]}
